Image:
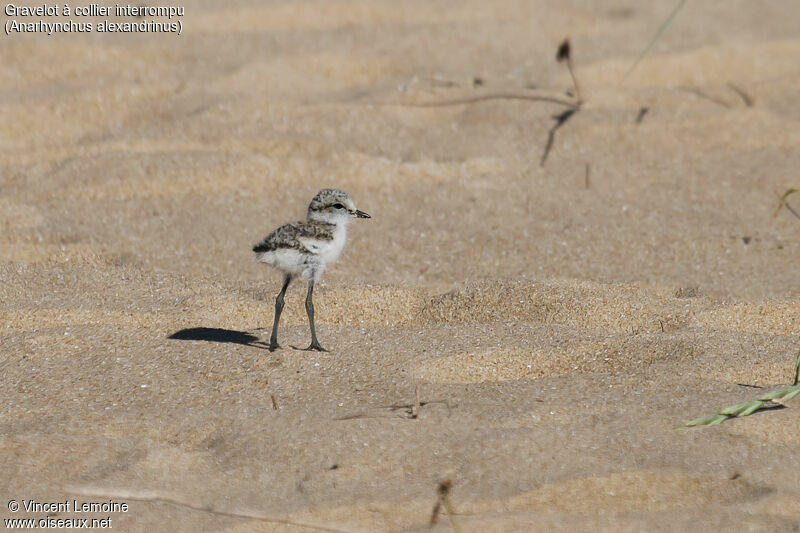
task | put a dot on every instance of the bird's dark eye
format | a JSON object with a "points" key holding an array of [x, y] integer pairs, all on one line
{"points": [[338, 206]]}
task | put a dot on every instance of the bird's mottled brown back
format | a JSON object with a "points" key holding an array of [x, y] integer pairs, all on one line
{"points": [[287, 236]]}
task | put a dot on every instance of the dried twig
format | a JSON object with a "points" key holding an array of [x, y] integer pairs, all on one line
{"points": [[586, 177], [748, 100], [443, 499], [412, 410], [697, 92], [437, 507], [480, 98], [782, 203], [163, 498], [551, 136], [563, 54]]}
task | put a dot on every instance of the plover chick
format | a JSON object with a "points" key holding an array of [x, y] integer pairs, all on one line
{"points": [[305, 248]]}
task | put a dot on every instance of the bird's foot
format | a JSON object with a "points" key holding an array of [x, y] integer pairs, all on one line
{"points": [[315, 346], [274, 346]]}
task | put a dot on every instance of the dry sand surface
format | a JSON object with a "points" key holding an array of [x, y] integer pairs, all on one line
{"points": [[556, 332]]}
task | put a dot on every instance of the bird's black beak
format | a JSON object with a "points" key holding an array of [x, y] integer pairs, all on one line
{"points": [[362, 214]]}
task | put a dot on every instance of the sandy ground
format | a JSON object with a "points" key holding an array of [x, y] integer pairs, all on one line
{"points": [[556, 328]]}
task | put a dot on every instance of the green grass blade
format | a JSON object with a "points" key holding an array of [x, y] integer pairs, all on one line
{"points": [[748, 408], [706, 421], [739, 408], [655, 38], [751, 408], [718, 419], [794, 391], [774, 395], [784, 394]]}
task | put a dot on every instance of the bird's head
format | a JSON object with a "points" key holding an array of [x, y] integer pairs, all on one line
{"points": [[334, 207]]}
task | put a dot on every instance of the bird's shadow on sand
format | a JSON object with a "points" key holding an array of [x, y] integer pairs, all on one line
{"points": [[219, 335]]}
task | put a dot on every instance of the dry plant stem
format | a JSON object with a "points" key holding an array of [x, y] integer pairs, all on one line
{"points": [[782, 203], [697, 92], [482, 98], [435, 513], [443, 499], [159, 497], [416, 406], [746, 98], [551, 136], [791, 210], [437, 507], [451, 514], [564, 53], [571, 69]]}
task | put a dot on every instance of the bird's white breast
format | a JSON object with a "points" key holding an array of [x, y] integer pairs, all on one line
{"points": [[286, 260], [328, 250], [310, 263]]}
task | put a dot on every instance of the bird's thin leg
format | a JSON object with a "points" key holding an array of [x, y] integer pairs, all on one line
{"points": [[310, 310], [273, 339]]}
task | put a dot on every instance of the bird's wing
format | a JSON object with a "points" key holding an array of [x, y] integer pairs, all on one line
{"points": [[315, 237], [309, 237]]}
